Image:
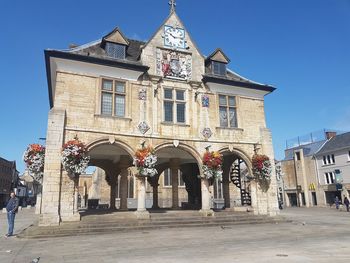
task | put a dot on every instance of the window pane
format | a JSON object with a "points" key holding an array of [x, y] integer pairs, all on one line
{"points": [[180, 95], [106, 103], [107, 85], [180, 112], [222, 100], [167, 177], [115, 50], [168, 93], [168, 111], [219, 68], [233, 119], [119, 106], [232, 101], [223, 117], [181, 181], [120, 87]]}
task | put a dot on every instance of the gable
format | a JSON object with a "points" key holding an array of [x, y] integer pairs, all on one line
{"points": [[116, 37], [218, 55], [172, 46]]}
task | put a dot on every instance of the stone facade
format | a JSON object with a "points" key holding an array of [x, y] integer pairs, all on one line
{"points": [[76, 90], [8, 179]]}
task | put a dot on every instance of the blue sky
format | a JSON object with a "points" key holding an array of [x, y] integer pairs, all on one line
{"points": [[301, 47]]}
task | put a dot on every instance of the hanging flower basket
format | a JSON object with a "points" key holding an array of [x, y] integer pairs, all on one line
{"points": [[34, 158], [145, 161], [262, 170], [212, 165], [74, 157]]}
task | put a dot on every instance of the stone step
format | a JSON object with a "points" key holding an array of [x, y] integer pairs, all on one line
{"points": [[103, 230], [167, 220], [74, 229]]}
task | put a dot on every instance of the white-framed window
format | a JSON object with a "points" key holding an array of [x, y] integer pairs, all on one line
{"points": [[167, 178], [228, 111], [113, 94], [174, 105], [329, 178], [328, 159]]}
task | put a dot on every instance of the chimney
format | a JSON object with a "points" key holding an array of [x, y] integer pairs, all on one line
{"points": [[330, 134], [73, 46]]}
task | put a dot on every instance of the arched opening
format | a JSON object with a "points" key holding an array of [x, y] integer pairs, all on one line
{"points": [[234, 190], [110, 183], [177, 184]]}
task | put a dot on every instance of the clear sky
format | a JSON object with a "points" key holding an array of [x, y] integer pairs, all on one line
{"points": [[300, 47]]}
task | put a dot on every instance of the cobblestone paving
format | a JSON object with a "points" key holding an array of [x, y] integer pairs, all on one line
{"points": [[314, 235]]}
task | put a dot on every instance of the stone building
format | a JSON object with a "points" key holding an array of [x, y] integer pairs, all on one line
{"points": [[333, 167], [300, 177], [116, 92], [8, 179], [314, 173]]}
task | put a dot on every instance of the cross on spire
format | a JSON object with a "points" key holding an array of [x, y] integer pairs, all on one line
{"points": [[172, 4]]}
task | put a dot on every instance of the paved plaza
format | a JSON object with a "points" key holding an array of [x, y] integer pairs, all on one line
{"points": [[312, 235]]}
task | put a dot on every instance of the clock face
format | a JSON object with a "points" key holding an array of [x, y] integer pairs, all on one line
{"points": [[174, 37]]}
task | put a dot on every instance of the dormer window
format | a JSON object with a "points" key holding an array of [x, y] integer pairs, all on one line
{"points": [[114, 50], [216, 63], [219, 68]]}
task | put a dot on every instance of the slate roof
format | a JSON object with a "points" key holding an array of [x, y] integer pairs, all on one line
{"points": [[233, 78], [133, 51], [338, 142], [308, 149]]}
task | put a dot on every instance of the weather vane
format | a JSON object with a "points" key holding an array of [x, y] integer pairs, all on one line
{"points": [[172, 3]]}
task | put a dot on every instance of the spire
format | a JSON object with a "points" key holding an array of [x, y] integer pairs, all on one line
{"points": [[172, 4]]}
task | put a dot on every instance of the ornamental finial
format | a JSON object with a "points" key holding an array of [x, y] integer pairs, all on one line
{"points": [[172, 4]]}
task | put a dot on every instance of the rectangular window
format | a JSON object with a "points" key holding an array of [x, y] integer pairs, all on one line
{"points": [[219, 68], [131, 185], [349, 155], [328, 159], [113, 98], [297, 156], [228, 111], [174, 97], [114, 50], [167, 177], [181, 181], [329, 178]]}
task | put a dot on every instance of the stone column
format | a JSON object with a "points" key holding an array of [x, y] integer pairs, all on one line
{"points": [[141, 212], [154, 183], [226, 180], [269, 199], [123, 166], [51, 190], [38, 203], [205, 211], [76, 194], [174, 168], [113, 193]]}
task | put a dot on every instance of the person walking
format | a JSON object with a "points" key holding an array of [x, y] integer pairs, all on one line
{"points": [[336, 201], [12, 208], [346, 203]]}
